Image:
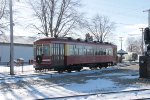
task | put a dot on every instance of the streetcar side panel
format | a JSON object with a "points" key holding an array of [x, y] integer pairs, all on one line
{"points": [[90, 54]]}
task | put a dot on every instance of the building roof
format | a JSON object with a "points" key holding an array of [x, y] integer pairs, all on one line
{"points": [[17, 39]]}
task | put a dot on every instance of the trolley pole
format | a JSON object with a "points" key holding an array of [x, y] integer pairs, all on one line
{"points": [[11, 40]]}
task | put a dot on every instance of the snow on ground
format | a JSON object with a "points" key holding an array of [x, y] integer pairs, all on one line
{"points": [[130, 77], [31, 85], [91, 85]]}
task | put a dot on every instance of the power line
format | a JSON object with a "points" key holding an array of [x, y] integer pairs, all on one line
{"points": [[124, 23]]}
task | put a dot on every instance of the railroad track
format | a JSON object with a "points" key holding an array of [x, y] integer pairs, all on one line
{"points": [[103, 93], [142, 99]]}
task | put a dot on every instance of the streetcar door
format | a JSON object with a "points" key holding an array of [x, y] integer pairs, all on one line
{"points": [[58, 54]]}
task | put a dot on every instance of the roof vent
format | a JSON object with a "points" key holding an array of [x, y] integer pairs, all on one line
{"points": [[69, 38], [78, 39]]}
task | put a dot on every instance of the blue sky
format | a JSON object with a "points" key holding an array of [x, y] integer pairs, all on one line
{"points": [[127, 14], [127, 11]]}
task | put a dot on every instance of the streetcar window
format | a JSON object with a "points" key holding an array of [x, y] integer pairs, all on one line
{"points": [[71, 49], [54, 49], [50, 49], [39, 50], [95, 50], [75, 50], [46, 49], [104, 50], [107, 52], [42, 49], [100, 51], [61, 49], [80, 50], [84, 50], [57, 49], [111, 51]]}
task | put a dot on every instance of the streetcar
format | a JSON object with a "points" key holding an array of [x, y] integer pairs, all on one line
{"points": [[67, 54]]}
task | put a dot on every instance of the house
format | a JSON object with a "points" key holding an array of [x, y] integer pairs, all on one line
{"points": [[23, 48]]}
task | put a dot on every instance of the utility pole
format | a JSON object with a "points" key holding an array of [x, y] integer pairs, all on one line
{"points": [[11, 40], [148, 16], [142, 29], [121, 54], [121, 42]]}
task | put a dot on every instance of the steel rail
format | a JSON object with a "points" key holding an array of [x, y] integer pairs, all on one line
{"points": [[82, 95]]}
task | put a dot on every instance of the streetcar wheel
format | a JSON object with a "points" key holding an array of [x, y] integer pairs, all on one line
{"points": [[60, 71], [91, 68], [69, 71], [79, 69]]}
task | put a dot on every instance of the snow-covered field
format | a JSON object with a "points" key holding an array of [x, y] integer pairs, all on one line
{"points": [[87, 84]]}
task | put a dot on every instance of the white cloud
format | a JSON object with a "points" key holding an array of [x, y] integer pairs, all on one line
{"points": [[135, 26]]}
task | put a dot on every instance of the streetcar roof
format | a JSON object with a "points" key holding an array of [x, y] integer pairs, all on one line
{"points": [[69, 40]]}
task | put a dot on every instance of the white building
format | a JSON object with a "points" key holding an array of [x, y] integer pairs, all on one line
{"points": [[23, 48]]}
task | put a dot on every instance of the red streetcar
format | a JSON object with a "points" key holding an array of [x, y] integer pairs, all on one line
{"points": [[67, 54]]}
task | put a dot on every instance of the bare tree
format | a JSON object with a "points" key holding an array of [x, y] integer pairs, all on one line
{"points": [[56, 17], [134, 45], [88, 37], [100, 27], [2, 15], [129, 44]]}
